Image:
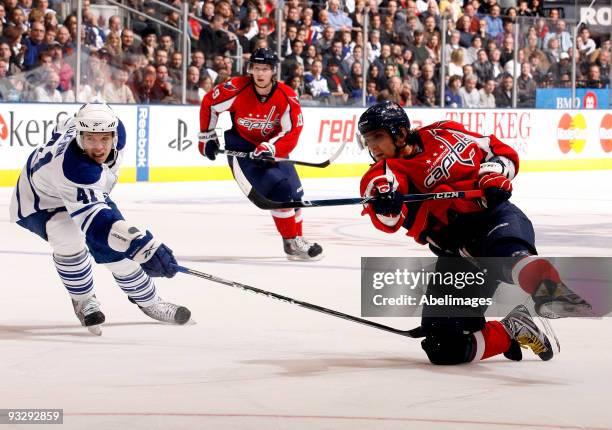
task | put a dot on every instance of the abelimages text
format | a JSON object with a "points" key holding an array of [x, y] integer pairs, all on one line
{"points": [[447, 300]]}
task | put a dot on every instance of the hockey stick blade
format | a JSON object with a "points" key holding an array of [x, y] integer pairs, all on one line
{"points": [[263, 203], [320, 165], [414, 333]]}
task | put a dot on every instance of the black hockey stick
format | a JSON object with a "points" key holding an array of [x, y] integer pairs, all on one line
{"points": [[415, 332], [263, 203], [322, 164]]}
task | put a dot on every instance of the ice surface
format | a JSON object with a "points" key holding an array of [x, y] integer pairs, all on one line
{"points": [[255, 363]]}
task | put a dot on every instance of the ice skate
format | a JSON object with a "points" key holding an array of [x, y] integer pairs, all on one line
{"points": [[521, 327], [299, 249], [89, 314], [556, 300], [166, 312]]}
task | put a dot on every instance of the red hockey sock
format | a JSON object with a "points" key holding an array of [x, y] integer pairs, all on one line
{"points": [[298, 222], [492, 340], [285, 223], [529, 272]]}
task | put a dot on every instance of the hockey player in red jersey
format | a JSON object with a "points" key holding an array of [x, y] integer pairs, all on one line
{"points": [[267, 122], [444, 156]]}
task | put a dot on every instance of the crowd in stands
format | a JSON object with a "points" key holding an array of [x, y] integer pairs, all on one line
{"points": [[323, 51]]}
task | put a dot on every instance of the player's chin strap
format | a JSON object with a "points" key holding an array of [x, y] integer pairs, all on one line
{"points": [[414, 333]]}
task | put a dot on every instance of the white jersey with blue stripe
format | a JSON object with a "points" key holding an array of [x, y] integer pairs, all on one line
{"points": [[59, 175]]}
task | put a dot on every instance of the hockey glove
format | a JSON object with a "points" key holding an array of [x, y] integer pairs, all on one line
{"points": [[496, 188], [155, 258], [263, 150], [208, 144], [386, 201]]}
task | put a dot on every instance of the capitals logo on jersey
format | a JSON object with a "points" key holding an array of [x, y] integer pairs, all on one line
{"points": [[266, 125], [451, 154]]}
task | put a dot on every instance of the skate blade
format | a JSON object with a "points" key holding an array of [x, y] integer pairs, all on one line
{"points": [[95, 330], [556, 310], [298, 258]]}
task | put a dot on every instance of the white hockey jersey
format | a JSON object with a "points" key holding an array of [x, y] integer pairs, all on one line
{"points": [[59, 176]]}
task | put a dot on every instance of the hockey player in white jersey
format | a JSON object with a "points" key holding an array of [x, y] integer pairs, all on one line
{"points": [[62, 195]]}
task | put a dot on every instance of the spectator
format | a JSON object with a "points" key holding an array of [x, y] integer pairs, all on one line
{"points": [[585, 44], [33, 45], [127, 42], [166, 43], [297, 49], [503, 93], [507, 51], [419, 51], [316, 84], [453, 45], [7, 55], [337, 18], [429, 96], [494, 22], [560, 33], [452, 96], [147, 91], [335, 82], [470, 98], [603, 61], [593, 78], [523, 9], [487, 99], [471, 54], [354, 81], [213, 40], [371, 93], [455, 67], [495, 64], [114, 25], [47, 92], [175, 67], [562, 67], [433, 48], [113, 45], [117, 91], [149, 44], [393, 91], [374, 75], [373, 46], [470, 12], [526, 87], [195, 93], [94, 36]]}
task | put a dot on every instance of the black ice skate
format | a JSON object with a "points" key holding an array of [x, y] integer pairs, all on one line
{"points": [[89, 314], [299, 249], [520, 326], [556, 300], [166, 312]]}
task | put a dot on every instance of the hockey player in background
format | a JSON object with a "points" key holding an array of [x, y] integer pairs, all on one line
{"points": [[62, 195], [444, 156], [266, 122]]}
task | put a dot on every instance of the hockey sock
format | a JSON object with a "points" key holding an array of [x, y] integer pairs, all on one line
{"points": [[138, 286], [285, 223], [75, 273], [298, 222], [529, 273], [492, 340]]}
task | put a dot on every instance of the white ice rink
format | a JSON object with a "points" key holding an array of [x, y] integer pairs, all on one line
{"points": [[254, 363]]}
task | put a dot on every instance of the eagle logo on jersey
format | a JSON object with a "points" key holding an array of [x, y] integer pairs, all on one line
{"points": [[230, 86], [452, 154], [266, 125]]}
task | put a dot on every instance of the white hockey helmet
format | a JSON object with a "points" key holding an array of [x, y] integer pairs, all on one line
{"points": [[96, 118]]}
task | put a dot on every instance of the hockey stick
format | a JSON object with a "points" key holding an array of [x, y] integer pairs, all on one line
{"points": [[263, 203], [320, 165], [414, 333]]}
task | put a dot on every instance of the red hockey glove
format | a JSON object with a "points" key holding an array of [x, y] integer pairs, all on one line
{"points": [[264, 150], [208, 144], [496, 187], [386, 201]]}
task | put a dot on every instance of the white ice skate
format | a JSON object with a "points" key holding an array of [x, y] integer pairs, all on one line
{"points": [[521, 327], [299, 249], [556, 300], [89, 314], [166, 312]]}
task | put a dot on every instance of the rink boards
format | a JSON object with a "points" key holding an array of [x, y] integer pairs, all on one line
{"points": [[162, 140]]}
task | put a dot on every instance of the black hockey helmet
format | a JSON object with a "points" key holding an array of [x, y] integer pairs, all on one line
{"points": [[386, 115], [264, 56]]}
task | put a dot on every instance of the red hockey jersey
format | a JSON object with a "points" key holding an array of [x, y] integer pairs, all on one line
{"points": [[449, 161], [277, 119]]}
